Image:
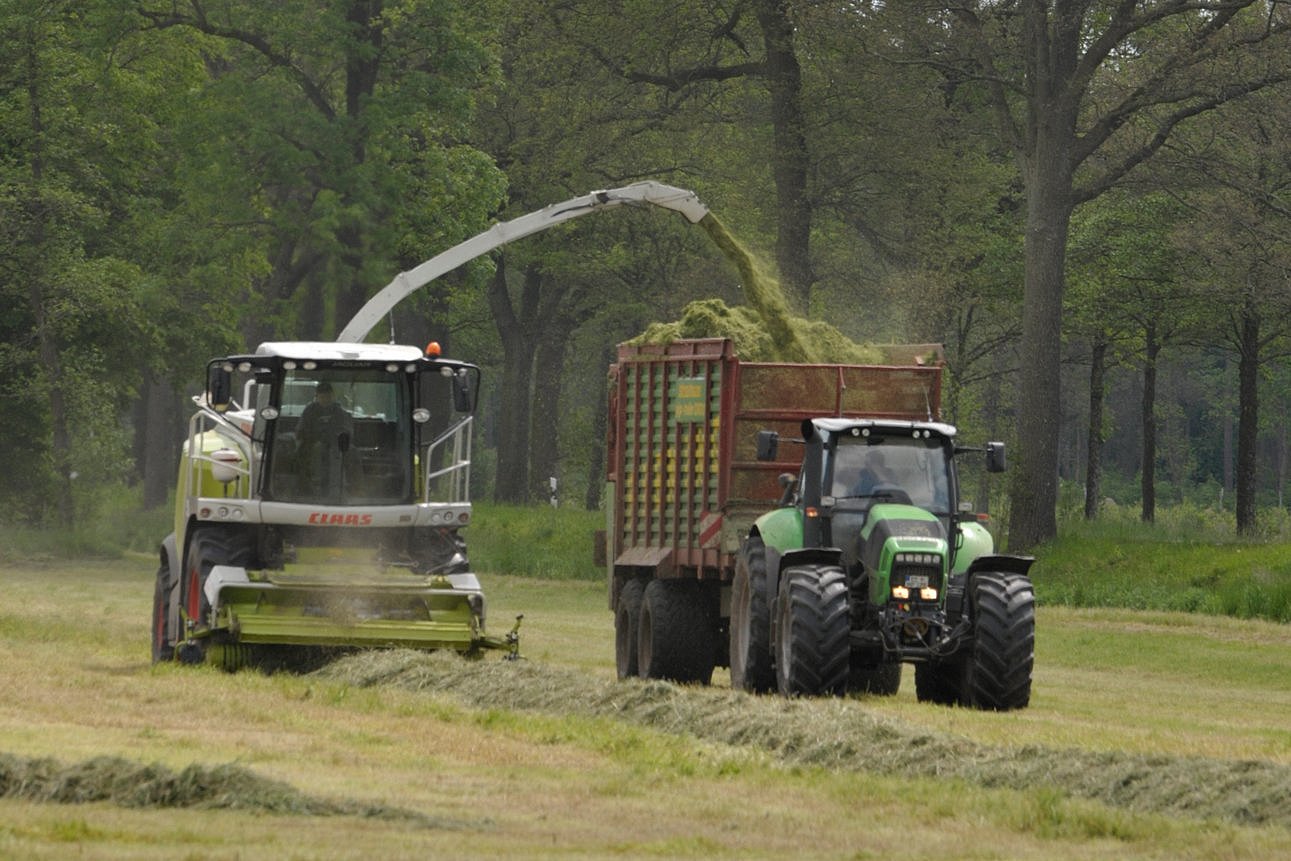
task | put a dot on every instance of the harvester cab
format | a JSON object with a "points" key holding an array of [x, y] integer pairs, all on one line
{"points": [[872, 562], [323, 507]]}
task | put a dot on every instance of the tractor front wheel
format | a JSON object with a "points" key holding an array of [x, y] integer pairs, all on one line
{"points": [[812, 631], [998, 671]]}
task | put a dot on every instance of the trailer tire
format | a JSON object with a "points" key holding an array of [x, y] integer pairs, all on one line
{"points": [[812, 653], [752, 667], [997, 674], [163, 645], [883, 679], [627, 617], [675, 635]]}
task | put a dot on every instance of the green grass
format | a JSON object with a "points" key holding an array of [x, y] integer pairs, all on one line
{"points": [[1117, 562], [535, 541]]}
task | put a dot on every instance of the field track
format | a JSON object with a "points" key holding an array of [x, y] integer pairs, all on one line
{"points": [[1149, 735]]}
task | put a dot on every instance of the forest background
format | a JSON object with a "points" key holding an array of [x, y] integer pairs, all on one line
{"points": [[1086, 201]]}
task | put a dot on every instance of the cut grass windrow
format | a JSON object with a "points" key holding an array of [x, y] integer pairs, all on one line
{"points": [[842, 735], [119, 781]]}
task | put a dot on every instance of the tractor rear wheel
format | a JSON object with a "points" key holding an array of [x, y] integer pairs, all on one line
{"points": [[939, 683], [626, 632], [675, 635], [998, 671], [812, 653], [752, 668], [882, 680]]}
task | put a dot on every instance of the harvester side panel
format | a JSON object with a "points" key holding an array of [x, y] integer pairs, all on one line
{"points": [[683, 422]]}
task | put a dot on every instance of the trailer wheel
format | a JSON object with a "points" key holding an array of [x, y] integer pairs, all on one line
{"points": [[163, 645], [627, 617], [998, 671], [675, 635], [883, 679], [750, 636], [812, 631]]}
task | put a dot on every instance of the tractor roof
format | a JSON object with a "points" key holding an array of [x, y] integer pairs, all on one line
{"points": [[842, 425]]}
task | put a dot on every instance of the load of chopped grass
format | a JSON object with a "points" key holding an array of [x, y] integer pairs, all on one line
{"points": [[130, 784], [842, 735], [764, 330]]}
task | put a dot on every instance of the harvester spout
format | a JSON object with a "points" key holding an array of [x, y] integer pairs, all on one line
{"points": [[405, 283]]}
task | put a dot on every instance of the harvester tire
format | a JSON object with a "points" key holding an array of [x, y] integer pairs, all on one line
{"points": [[813, 652], [675, 635], [752, 668], [997, 675], [883, 680], [209, 546], [163, 644], [627, 617]]}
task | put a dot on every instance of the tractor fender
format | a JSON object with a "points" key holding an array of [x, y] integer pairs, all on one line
{"points": [[1007, 563], [778, 562]]}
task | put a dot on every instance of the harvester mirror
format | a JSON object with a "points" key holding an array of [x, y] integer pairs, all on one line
{"points": [[768, 444], [995, 461], [462, 401], [219, 387]]}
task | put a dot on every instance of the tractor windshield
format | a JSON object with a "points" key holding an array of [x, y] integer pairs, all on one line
{"points": [[341, 437], [893, 469]]}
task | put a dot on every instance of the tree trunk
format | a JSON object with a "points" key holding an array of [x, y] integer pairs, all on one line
{"points": [[518, 336], [1034, 490], [37, 294], [1094, 452], [1248, 412], [1149, 462], [789, 157], [544, 448], [158, 430]]}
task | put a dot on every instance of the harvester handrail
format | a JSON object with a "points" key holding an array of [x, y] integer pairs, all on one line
{"points": [[459, 467], [228, 431]]}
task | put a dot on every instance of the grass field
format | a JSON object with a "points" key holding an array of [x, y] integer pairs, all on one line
{"points": [[1150, 735]]}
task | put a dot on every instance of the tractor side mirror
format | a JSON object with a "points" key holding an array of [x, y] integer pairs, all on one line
{"points": [[768, 445], [995, 461], [219, 387]]}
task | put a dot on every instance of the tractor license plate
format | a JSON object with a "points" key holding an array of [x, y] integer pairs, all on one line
{"points": [[916, 581]]}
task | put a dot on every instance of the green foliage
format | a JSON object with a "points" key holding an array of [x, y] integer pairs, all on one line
{"points": [[535, 541], [1186, 561]]}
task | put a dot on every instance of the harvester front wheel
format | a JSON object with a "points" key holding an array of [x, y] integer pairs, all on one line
{"points": [[627, 618], [675, 635], [998, 671], [209, 546], [812, 631], [163, 644], [750, 636]]}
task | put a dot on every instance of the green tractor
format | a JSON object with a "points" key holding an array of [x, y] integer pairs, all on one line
{"points": [[871, 562]]}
